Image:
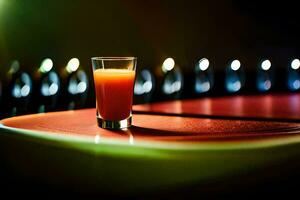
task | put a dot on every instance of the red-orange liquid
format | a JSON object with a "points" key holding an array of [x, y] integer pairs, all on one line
{"points": [[114, 93]]}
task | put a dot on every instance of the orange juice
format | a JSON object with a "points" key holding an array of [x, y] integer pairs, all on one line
{"points": [[114, 93]]}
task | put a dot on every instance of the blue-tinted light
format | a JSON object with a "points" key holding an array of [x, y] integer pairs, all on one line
{"points": [[235, 77], [172, 87], [234, 86], [78, 83], [293, 81], [202, 87], [264, 85], [264, 80], [296, 84], [50, 85], [173, 82], [203, 76], [144, 83], [22, 86]]}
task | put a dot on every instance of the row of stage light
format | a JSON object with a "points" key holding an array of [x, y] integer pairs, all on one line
{"points": [[235, 76], [43, 90], [47, 89]]}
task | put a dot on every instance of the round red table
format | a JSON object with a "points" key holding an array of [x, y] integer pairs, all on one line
{"points": [[159, 152]]}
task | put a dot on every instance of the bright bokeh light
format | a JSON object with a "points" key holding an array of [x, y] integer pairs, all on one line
{"points": [[147, 86], [176, 86], [25, 91], [73, 65], [143, 88], [16, 92], [81, 87], [295, 64], [267, 84], [22, 86], [138, 89], [53, 89], [172, 87], [203, 64], [19, 92], [235, 65], [144, 83], [46, 65], [202, 87], [296, 84], [168, 64], [266, 65], [77, 83], [234, 86], [49, 90]]}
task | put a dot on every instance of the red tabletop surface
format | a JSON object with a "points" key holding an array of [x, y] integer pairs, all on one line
{"points": [[275, 106], [154, 127], [183, 130]]}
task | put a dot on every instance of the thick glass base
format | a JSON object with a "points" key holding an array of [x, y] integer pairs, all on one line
{"points": [[115, 125]]}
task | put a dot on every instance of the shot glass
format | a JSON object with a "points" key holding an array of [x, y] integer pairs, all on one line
{"points": [[114, 79]]}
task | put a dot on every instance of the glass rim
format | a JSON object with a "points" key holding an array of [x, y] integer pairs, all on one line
{"points": [[114, 58]]}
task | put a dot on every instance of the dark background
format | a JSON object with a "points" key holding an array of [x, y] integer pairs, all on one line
{"points": [[32, 30]]}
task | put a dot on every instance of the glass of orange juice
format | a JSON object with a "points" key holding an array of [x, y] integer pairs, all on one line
{"points": [[114, 82]]}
